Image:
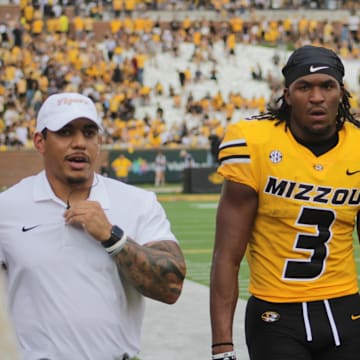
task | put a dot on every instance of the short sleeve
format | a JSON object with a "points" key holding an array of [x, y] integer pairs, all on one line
{"points": [[154, 224], [236, 161]]}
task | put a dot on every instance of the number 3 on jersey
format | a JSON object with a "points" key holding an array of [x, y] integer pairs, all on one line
{"points": [[316, 244]]}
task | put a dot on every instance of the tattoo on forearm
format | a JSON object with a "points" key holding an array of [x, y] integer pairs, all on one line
{"points": [[156, 270]]}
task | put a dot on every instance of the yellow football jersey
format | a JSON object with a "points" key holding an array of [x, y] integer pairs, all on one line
{"points": [[302, 244]]}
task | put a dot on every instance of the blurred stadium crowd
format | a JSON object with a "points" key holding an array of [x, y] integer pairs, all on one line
{"points": [[55, 46]]}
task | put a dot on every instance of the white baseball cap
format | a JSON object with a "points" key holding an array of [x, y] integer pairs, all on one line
{"points": [[60, 109]]}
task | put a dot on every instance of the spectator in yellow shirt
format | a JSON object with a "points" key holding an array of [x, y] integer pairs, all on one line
{"points": [[122, 165]]}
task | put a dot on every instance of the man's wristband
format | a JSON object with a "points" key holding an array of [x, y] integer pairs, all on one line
{"points": [[116, 241], [229, 355], [222, 344]]}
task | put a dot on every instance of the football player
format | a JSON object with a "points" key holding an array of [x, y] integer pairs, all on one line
{"points": [[289, 204]]}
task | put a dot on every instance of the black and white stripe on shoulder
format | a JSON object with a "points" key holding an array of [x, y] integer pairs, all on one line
{"points": [[232, 143], [231, 159], [228, 153]]}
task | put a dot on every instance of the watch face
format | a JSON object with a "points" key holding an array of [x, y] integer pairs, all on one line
{"points": [[116, 232]]}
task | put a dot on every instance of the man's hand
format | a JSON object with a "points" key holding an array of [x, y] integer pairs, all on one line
{"points": [[91, 216]]}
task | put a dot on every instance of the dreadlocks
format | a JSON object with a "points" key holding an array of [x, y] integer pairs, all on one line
{"points": [[282, 113]]}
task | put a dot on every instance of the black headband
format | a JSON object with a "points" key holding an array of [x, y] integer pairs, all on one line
{"points": [[309, 60]]}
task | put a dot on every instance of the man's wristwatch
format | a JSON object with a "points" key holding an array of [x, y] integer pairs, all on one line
{"points": [[116, 234], [116, 241]]}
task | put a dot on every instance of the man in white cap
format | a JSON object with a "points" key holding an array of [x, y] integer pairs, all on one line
{"points": [[80, 251]]}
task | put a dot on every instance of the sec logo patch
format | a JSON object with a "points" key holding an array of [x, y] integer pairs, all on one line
{"points": [[275, 156], [270, 316]]}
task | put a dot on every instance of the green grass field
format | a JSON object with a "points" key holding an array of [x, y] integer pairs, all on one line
{"points": [[193, 222]]}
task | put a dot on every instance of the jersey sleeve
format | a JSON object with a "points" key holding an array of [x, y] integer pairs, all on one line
{"points": [[236, 162]]}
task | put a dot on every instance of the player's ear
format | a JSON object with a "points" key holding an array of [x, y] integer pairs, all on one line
{"points": [[342, 92], [39, 142], [286, 95]]}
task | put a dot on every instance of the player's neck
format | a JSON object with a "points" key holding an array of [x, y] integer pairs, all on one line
{"points": [[321, 147]]}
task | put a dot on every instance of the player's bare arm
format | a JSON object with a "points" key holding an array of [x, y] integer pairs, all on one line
{"points": [[235, 216], [157, 270]]}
